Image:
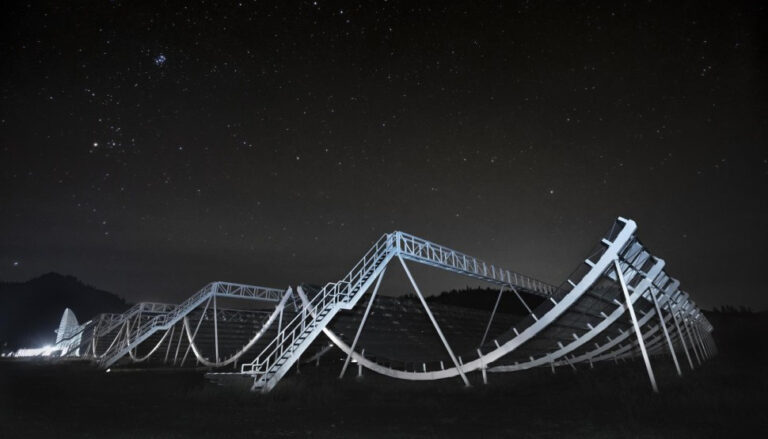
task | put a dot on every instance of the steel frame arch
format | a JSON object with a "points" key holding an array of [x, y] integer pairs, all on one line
{"points": [[607, 258]]}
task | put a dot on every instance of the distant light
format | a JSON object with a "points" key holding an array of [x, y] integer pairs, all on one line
{"points": [[160, 60], [44, 351], [109, 370]]}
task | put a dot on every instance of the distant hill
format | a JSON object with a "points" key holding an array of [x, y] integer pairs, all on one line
{"points": [[30, 311], [485, 298]]}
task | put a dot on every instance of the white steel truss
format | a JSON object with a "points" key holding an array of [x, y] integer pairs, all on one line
{"points": [[622, 259], [125, 332], [619, 303]]}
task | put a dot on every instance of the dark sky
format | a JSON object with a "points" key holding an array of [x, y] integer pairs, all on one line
{"points": [[149, 150]]}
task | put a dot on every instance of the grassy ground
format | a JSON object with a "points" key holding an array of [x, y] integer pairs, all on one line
{"points": [[726, 397]]}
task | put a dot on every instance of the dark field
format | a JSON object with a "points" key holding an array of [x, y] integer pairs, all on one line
{"points": [[725, 397]]}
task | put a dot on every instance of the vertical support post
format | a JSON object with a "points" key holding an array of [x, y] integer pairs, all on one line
{"points": [[493, 313], [690, 338], [680, 333], [360, 365], [697, 332], [362, 323], [711, 342], [704, 341], [704, 336], [178, 346], [94, 339], [138, 325], [666, 334], [126, 340], [638, 332], [697, 341], [434, 322], [483, 367], [197, 328], [215, 328], [170, 342]]}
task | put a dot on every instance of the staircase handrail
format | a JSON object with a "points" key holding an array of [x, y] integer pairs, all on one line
{"points": [[332, 292]]}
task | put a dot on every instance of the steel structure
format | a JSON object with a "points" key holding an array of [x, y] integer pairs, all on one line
{"points": [[619, 303], [582, 320], [113, 337]]}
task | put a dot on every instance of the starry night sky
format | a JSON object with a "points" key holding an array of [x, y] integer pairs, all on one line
{"points": [[149, 150]]}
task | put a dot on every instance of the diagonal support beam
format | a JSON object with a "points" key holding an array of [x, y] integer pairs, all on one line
{"points": [[170, 342], [434, 322], [666, 333], [215, 329], [697, 332], [493, 313], [514, 290], [695, 348], [197, 328], [680, 334], [362, 323], [711, 342], [639, 333], [178, 346]]}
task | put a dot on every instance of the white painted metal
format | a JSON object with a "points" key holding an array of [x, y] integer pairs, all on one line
{"points": [[528, 308], [173, 314], [434, 323], [695, 348], [597, 269], [490, 319], [362, 321], [637, 327], [276, 313], [680, 336], [622, 259], [215, 330], [597, 329], [664, 327]]}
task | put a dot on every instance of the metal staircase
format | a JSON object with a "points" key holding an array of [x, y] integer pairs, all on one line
{"points": [[164, 321], [296, 336]]}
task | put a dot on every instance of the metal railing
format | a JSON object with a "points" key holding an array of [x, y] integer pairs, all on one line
{"points": [[167, 319], [295, 335], [426, 252]]}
